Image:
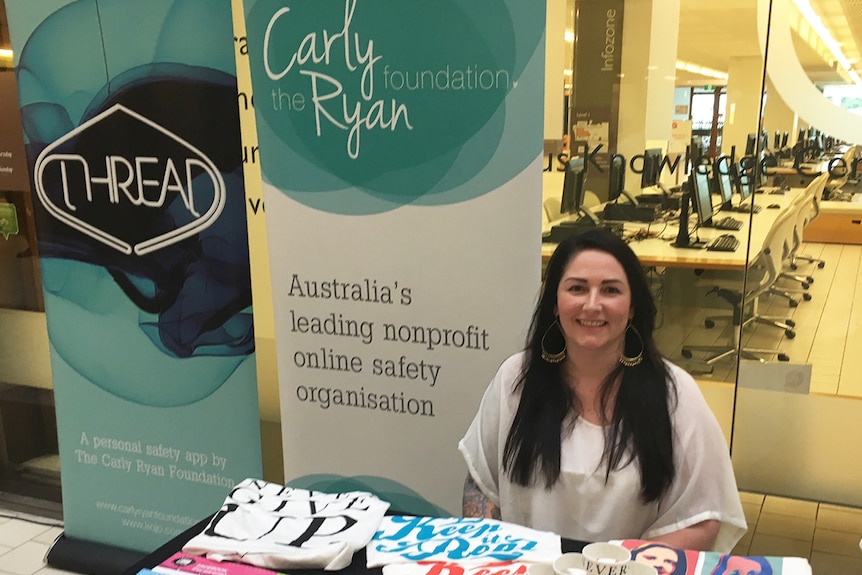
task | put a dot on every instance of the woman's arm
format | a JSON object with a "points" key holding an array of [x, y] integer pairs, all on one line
{"points": [[699, 537], [475, 503]]}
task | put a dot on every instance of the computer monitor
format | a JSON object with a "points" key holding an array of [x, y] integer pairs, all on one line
{"points": [[617, 181], [750, 143], [683, 238], [745, 187], [616, 178], [800, 137], [765, 163], [573, 186], [696, 151], [574, 182], [785, 137], [651, 166], [722, 173], [702, 196], [776, 143]]}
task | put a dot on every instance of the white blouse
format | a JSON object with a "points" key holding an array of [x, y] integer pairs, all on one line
{"points": [[581, 505]]}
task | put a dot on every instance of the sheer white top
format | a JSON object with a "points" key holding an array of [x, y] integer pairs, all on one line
{"points": [[581, 505]]}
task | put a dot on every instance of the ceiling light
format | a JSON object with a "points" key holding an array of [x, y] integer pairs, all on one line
{"points": [[834, 46], [5, 53], [569, 36], [702, 70], [567, 72]]}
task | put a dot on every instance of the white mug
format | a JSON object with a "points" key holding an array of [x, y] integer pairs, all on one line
{"points": [[570, 564], [606, 559]]}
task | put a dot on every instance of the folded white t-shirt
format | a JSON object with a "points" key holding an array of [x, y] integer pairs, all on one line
{"points": [[403, 539], [278, 527]]}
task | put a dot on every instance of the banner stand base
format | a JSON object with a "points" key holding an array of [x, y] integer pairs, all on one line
{"points": [[90, 558]]}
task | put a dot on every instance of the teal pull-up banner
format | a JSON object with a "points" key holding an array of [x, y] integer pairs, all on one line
{"points": [[133, 145]]}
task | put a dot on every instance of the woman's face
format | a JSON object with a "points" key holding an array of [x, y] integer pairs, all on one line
{"points": [[662, 559], [594, 302]]}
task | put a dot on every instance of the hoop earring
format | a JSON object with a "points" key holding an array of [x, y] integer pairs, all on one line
{"points": [[558, 356], [637, 359]]}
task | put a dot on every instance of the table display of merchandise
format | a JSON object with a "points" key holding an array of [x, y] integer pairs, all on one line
{"points": [[265, 528]]}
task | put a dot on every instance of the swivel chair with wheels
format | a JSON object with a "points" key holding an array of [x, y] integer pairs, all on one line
{"points": [[761, 275], [810, 210], [841, 176]]}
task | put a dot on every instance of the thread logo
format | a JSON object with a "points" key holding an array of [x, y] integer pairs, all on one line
{"points": [[107, 175]]}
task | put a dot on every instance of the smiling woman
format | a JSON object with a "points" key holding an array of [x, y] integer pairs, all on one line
{"points": [[600, 438]]}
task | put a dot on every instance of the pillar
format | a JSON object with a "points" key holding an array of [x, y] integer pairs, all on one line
{"points": [[555, 63], [744, 87], [648, 78], [777, 115]]}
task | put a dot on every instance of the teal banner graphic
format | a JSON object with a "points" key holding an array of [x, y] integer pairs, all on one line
{"points": [[132, 136], [400, 149]]}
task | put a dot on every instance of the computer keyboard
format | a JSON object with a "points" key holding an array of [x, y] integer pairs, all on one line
{"points": [[727, 223], [723, 243], [746, 207]]}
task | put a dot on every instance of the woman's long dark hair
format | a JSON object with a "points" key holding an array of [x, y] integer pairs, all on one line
{"points": [[640, 428]]}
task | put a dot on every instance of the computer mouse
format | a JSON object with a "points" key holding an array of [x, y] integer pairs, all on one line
{"points": [[773, 207]]}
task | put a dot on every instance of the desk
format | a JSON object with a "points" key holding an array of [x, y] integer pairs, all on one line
{"points": [[659, 252], [796, 178], [839, 222]]}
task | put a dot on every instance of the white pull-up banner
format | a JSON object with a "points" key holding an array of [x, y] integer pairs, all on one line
{"points": [[400, 147]]}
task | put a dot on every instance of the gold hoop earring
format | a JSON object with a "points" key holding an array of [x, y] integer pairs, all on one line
{"points": [[558, 356], [635, 360]]}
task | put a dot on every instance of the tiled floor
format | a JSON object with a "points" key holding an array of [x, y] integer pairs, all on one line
{"points": [[24, 541], [827, 534]]}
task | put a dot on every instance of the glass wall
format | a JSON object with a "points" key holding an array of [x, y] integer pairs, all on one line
{"points": [[29, 465], [699, 79], [795, 422]]}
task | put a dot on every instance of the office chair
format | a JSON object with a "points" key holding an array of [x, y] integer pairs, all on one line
{"points": [[762, 274], [833, 187], [803, 207], [789, 240], [809, 213], [551, 207]]}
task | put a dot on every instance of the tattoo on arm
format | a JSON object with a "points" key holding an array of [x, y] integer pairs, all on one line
{"points": [[475, 503]]}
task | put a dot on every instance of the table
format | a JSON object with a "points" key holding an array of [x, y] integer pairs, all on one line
{"points": [[356, 567], [659, 251], [839, 222]]}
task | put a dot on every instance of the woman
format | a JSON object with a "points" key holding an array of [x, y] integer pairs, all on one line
{"points": [[589, 432], [665, 560]]}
